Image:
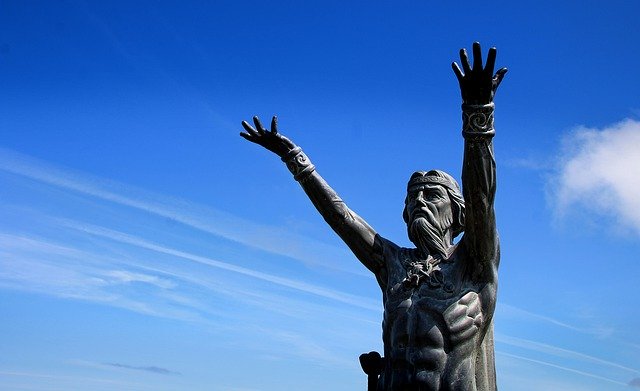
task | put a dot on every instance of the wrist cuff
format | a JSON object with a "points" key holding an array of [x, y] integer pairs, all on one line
{"points": [[477, 121], [298, 163]]}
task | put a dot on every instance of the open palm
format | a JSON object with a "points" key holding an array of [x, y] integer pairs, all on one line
{"points": [[477, 84]]}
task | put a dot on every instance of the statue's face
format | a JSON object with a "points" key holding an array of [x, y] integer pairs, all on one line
{"points": [[429, 219], [431, 202]]}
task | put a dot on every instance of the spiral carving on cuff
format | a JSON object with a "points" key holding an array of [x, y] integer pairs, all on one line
{"points": [[298, 164], [477, 120]]}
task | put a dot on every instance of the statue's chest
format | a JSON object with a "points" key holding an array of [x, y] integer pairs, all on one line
{"points": [[425, 285], [403, 299], [409, 274]]}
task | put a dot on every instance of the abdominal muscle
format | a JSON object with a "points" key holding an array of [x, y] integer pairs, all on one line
{"points": [[420, 353]]}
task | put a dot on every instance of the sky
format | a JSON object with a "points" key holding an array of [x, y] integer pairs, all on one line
{"points": [[144, 245]]}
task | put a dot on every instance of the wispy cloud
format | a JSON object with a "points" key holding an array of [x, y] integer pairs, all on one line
{"points": [[150, 369], [599, 174], [303, 347], [563, 368], [37, 265], [267, 238], [32, 264], [558, 351], [63, 257], [124, 276], [286, 282], [511, 310], [75, 379]]}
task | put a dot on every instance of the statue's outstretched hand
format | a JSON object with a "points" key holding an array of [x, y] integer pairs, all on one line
{"points": [[478, 85], [271, 140]]}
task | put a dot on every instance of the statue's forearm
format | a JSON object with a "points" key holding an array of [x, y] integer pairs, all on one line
{"points": [[351, 228], [323, 197], [479, 180]]}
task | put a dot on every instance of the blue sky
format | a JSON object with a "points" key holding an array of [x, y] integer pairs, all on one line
{"points": [[145, 246]]}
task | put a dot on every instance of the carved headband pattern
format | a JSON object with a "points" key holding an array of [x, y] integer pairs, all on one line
{"points": [[418, 182]]}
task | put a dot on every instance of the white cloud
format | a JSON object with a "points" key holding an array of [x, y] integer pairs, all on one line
{"points": [[599, 174], [124, 276]]}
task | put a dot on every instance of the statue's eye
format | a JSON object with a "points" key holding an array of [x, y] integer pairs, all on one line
{"points": [[432, 196]]}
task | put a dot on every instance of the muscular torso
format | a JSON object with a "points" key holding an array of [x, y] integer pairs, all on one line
{"points": [[432, 328]]}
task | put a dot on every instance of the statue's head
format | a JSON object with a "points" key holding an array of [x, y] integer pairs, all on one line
{"points": [[433, 211]]}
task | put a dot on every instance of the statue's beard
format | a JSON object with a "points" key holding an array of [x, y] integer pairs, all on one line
{"points": [[428, 235]]}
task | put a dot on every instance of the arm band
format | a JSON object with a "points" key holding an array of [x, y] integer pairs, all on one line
{"points": [[477, 121], [298, 163]]}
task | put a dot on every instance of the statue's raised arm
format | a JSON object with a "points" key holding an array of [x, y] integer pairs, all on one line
{"points": [[351, 228], [478, 86]]}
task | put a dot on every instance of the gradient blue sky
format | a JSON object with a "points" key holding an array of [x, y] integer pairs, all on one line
{"points": [[145, 246]]}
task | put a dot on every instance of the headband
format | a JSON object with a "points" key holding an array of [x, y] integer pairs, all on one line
{"points": [[430, 179]]}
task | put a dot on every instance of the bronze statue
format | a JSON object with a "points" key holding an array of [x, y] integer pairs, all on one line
{"points": [[439, 298]]}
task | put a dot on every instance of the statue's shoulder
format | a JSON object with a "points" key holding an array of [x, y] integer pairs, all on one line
{"points": [[391, 267], [389, 250]]}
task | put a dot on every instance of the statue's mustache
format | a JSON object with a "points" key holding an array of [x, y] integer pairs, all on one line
{"points": [[426, 222], [426, 214]]}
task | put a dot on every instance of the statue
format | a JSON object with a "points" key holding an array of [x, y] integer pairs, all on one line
{"points": [[439, 298]]}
